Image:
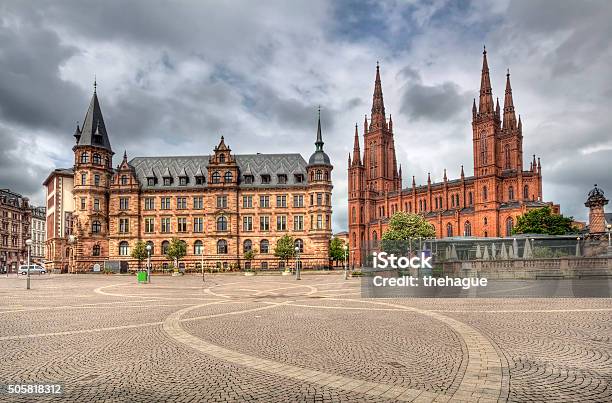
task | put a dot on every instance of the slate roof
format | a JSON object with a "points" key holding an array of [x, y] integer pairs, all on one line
{"points": [[257, 164], [93, 132]]}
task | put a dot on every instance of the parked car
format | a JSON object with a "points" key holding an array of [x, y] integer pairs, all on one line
{"points": [[34, 269]]}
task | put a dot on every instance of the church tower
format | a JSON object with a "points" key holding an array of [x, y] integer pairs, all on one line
{"points": [[93, 171], [379, 148]]}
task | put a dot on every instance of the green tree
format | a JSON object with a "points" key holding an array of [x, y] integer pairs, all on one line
{"points": [[139, 252], [176, 251], [544, 221], [249, 256], [285, 248], [336, 249], [403, 232]]}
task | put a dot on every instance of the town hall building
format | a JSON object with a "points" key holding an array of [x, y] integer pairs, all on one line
{"points": [[221, 205], [485, 204]]}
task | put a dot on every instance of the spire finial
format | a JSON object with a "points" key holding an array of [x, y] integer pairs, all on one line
{"points": [[319, 142], [484, 49], [95, 84]]}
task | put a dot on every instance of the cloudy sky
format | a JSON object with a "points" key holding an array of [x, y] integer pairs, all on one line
{"points": [[175, 76]]}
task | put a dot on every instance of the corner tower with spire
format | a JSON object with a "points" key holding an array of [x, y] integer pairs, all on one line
{"points": [[93, 171]]}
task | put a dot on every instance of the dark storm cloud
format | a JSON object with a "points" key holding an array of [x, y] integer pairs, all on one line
{"points": [[30, 85], [438, 102]]}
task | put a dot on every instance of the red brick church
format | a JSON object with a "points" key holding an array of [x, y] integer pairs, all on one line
{"points": [[485, 204]]}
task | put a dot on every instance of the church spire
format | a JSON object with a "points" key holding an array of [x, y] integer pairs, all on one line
{"points": [[486, 92], [509, 116], [356, 151], [377, 118]]}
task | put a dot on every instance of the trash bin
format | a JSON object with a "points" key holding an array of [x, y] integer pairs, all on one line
{"points": [[142, 276]]}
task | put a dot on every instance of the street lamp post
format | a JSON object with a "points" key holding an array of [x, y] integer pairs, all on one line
{"points": [[29, 245], [202, 262], [149, 263], [345, 265], [297, 263], [71, 241]]}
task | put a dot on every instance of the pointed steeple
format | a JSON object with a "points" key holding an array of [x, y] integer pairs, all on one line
{"points": [[533, 163], [77, 133], [319, 142], [349, 160], [356, 150], [520, 124], [497, 109], [365, 124], [124, 157], [445, 177], [486, 92], [413, 181], [93, 131], [377, 118], [428, 178], [474, 110], [462, 174], [390, 123], [319, 157], [509, 116]]}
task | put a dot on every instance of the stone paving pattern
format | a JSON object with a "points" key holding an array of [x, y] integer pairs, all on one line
{"points": [[273, 339]]}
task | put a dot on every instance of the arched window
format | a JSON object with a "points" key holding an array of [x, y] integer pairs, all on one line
{"points": [[124, 179], [354, 239], [97, 159], [222, 224], [165, 246], [300, 245], [507, 156], [319, 175], [247, 245], [198, 248], [511, 193], [221, 157], [470, 198], [467, 229], [509, 226], [449, 229], [264, 246], [485, 221], [485, 193], [326, 175], [152, 245], [374, 236], [124, 248], [96, 227], [96, 250], [228, 177], [525, 192], [222, 247], [483, 148], [457, 200], [354, 215], [84, 158], [216, 177]]}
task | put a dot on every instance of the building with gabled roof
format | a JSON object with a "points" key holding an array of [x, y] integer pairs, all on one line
{"points": [[221, 205]]}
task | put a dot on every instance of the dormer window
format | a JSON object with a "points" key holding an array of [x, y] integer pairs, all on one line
{"points": [[150, 181], [265, 178], [216, 177], [200, 180], [282, 179], [167, 181], [221, 158], [249, 179], [299, 178], [124, 179], [182, 181], [228, 177]]}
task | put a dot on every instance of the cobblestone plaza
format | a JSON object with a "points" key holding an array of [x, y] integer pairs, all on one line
{"points": [[271, 338]]}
